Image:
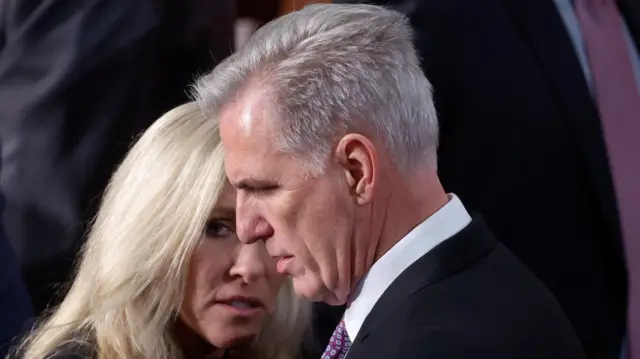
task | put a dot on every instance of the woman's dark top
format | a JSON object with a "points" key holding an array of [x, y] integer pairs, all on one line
{"points": [[74, 351]]}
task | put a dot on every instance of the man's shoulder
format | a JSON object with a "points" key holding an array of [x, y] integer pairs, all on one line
{"points": [[473, 264], [443, 322], [445, 342], [484, 307], [497, 287], [434, 342]]}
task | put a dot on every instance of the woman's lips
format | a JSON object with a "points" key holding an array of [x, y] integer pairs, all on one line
{"points": [[243, 306], [241, 309]]}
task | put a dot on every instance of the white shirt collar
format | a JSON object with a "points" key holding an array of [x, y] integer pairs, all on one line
{"points": [[445, 223]]}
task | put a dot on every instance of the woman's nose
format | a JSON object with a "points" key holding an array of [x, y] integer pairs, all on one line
{"points": [[251, 262]]}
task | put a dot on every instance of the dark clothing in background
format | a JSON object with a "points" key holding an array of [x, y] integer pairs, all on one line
{"points": [[15, 306], [262, 11], [78, 80], [521, 142]]}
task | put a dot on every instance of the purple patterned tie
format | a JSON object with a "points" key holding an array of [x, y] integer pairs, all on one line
{"points": [[339, 343], [618, 100]]}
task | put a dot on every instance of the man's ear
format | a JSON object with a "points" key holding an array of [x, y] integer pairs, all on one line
{"points": [[357, 156]]}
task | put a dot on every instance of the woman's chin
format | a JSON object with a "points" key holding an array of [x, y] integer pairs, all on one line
{"points": [[233, 339]]}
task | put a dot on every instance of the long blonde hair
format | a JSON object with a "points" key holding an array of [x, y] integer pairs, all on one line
{"points": [[133, 268]]}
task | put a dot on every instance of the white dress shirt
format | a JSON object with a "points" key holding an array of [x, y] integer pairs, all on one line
{"points": [[445, 223]]}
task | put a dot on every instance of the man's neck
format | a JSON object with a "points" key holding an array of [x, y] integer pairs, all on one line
{"points": [[406, 214], [408, 206]]}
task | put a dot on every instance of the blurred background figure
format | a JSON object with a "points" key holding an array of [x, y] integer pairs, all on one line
{"points": [[15, 306], [540, 116], [78, 80], [254, 13]]}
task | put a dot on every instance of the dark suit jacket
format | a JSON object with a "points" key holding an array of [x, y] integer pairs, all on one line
{"points": [[78, 80], [521, 143], [467, 298]]}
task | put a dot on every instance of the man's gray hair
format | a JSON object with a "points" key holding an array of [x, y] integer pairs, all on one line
{"points": [[328, 69]]}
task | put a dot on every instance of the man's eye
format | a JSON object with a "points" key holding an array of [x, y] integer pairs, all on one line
{"points": [[262, 191], [218, 229], [256, 187]]}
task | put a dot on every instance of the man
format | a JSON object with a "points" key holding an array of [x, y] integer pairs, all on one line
{"points": [[78, 80], [528, 140], [330, 135]]}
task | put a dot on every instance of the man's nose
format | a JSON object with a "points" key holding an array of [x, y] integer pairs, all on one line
{"points": [[251, 226], [250, 262]]}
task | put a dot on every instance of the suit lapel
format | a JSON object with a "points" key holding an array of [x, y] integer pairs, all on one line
{"points": [[542, 28], [458, 252]]}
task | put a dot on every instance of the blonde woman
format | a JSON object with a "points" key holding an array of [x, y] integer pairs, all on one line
{"points": [[162, 275]]}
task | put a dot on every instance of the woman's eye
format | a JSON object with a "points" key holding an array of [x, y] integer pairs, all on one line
{"points": [[218, 229]]}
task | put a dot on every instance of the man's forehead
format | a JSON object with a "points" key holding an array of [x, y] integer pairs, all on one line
{"points": [[250, 159], [248, 114], [241, 163], [249, 137], [240, 142]]}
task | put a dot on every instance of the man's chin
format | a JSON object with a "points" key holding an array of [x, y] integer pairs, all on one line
{"points": [[333, 300], [314, 291]]}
